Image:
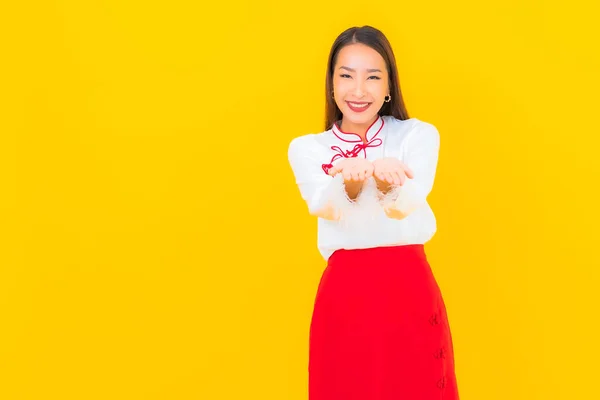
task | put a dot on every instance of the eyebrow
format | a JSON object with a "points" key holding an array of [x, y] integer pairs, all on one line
{"points": [[352, 70]]}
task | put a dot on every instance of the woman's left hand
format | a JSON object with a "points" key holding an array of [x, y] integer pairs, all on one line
{"points": [[392, 171]]}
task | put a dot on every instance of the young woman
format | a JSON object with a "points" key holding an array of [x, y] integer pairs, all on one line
{"points": [[379, 328]]}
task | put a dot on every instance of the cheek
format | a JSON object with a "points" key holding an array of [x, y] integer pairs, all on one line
{"points": [[382, 88], [340, 86]]}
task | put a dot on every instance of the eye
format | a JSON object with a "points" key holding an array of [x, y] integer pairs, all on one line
{"points": [[374, 77], [345, 76]]}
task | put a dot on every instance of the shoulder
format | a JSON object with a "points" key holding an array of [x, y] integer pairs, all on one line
{"points": [[409, 126], [309, 143], [412, 129], [307, 139]]}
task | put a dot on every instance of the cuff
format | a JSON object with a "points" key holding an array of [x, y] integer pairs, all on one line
{"points": [[353, 212], [402, 200]]}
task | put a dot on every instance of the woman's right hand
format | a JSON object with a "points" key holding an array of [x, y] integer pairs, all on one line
{"points": [[353, 169]]}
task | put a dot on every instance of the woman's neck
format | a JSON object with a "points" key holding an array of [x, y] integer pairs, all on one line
{"points": [[359, 129]]}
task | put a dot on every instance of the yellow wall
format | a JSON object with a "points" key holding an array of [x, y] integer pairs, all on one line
{"points": [[154, 245]]}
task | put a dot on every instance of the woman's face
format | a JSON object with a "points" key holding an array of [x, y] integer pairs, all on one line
{"points": [[360, 84]]}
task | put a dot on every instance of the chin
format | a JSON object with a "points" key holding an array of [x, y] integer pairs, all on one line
{"points": [[359, 118]]}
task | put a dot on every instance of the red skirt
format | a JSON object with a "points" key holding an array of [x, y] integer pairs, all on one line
{"points": [[379, 329]]}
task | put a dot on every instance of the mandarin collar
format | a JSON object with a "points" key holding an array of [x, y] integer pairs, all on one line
{"points": [[351, 137]]}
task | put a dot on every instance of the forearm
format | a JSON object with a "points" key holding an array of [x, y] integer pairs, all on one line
{"points": [[402, 200], [383, 186], [421, 157], [388, 200], [335, 200], [353, 189]]}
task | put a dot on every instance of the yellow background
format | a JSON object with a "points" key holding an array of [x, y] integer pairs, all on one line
{"points": [[154, 245]]}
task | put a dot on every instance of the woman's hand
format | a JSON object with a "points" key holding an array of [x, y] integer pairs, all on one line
{"points": [[353, 169], [355, 172], [390, 171]]}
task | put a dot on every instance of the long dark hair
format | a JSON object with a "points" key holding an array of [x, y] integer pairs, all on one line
{"points": [[375, 39]]}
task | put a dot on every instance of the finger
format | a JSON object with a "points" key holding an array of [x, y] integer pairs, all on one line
{"points": [[378, 173], [355, 175], [409, 173], [369, 171], [397, 178], [388, 178], [361, 175], [347, 175], [401, 178]]}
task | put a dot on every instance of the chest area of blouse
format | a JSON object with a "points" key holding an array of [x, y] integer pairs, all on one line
{"points": [[370, 150], [382, 145]]}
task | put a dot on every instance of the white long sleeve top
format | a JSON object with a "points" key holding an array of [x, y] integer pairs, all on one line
{"points": [[403, 216]]}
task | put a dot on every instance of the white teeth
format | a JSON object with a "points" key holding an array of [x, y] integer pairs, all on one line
{"points": [[358, 105]]}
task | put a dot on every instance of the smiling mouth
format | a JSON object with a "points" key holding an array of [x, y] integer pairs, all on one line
{"points": [[358, 107]]}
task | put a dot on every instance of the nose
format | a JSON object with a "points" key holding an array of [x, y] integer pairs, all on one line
{"points": [[359, 89]]}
